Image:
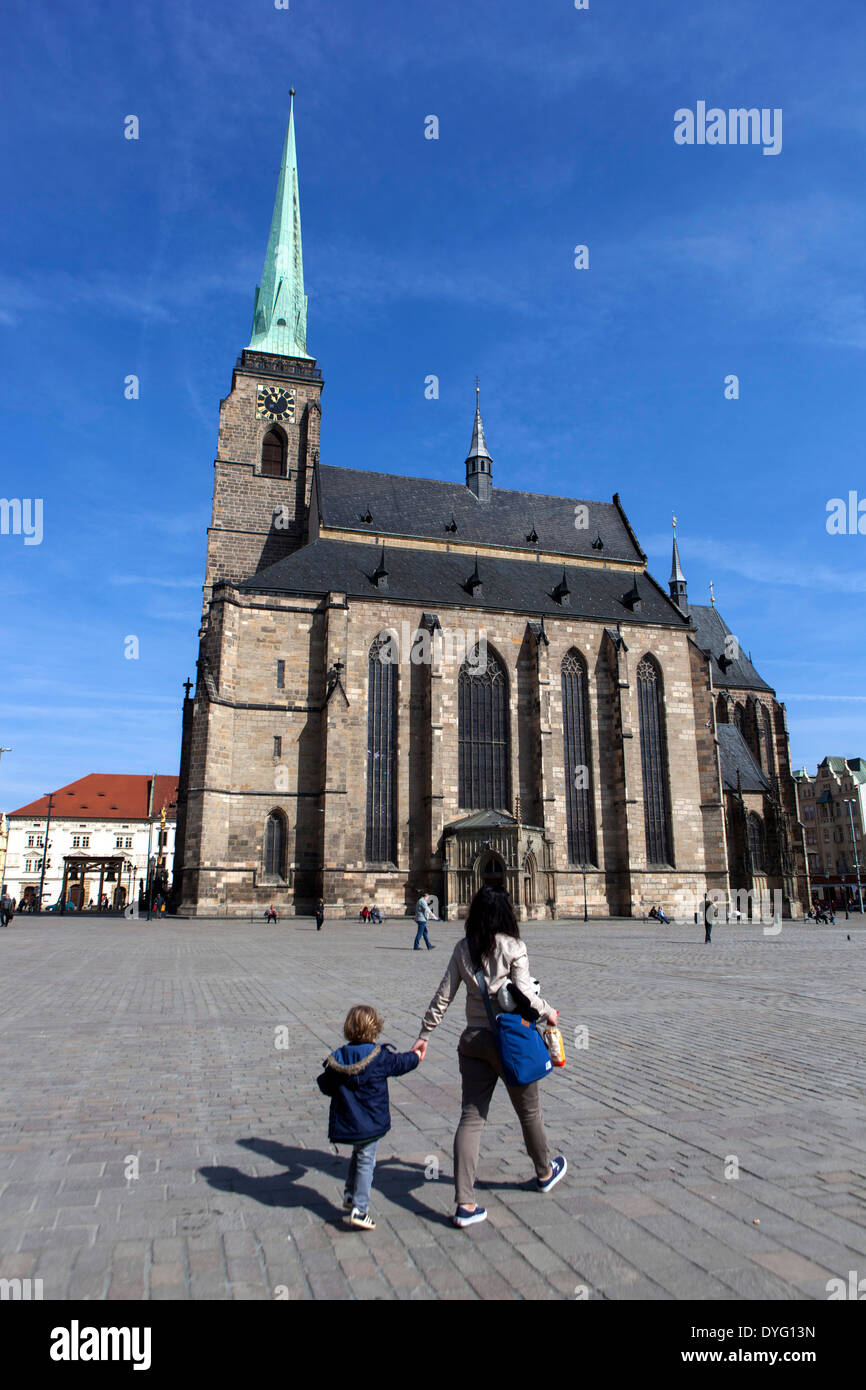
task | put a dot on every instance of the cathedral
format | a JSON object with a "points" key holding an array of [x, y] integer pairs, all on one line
{"points": [[408, 685]]}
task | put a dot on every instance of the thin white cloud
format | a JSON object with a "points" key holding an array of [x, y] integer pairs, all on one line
{"points": [[790, 263], [147, 582], [763, 565], [839, 699]]}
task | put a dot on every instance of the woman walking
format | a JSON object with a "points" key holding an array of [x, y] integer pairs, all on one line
{"points": [[320, 914], [492, 944]]}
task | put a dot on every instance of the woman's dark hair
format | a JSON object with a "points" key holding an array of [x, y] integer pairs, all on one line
{"points": [[490, 915]]}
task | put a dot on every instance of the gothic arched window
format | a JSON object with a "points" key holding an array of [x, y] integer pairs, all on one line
{"points": [[721, 710], [273, 454], [381, 844], [740, 719], [769, 752], [757, 843], [275, 845], [578, 788], [653, 757], [483, 735]]}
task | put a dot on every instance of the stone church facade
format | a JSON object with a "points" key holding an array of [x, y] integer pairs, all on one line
{"points": [[411, 685]]}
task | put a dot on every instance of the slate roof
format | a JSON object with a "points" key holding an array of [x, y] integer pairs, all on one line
{"points": [[107, 796], [424, 507], [711, 631], [855, 768], [839, 765], [736, 756], [482, 820], [434, 578]]}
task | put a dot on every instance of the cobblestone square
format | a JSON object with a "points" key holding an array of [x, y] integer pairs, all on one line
{"points": [[157, 1042]]}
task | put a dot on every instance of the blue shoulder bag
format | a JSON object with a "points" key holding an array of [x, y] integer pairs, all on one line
{"points": [[522, 1050]]}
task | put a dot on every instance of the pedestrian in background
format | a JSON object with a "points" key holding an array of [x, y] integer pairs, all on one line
{"points": [[423, 915], [320, 914]]}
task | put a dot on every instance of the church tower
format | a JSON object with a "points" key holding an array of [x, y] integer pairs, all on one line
{"points": [[269, 423]]}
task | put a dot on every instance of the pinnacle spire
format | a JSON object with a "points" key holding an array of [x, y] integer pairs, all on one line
{"points": [[677, 582], [676, 568], [478, 447], [280, 309], [479, 464]]}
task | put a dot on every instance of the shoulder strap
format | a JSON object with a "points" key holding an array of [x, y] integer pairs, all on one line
{"points": [[482, 985]]}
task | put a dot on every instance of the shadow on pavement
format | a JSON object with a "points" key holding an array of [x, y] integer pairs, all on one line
{"points": [[394, 1179]]}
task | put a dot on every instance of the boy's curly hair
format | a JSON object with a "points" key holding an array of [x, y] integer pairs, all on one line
{"points": [[362, 1024]]}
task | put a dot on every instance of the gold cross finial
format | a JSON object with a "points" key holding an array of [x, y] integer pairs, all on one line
{"points": [[712, 594], [477, 390], [675, 523]]}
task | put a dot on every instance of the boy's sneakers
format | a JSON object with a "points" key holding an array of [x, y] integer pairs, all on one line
{"points": [[362, 1220], [464, 1216], [558, 1166]]}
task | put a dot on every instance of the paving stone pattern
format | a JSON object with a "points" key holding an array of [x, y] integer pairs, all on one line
{"points": [[158, 1040]]}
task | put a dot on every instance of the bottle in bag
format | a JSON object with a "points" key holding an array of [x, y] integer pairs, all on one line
{"points": [[555, 1046]]}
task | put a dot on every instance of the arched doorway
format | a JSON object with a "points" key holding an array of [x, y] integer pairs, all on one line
{"points": [[492, 872]]}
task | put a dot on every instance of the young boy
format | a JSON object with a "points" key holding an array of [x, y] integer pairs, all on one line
{"points": [[356, 1079]]}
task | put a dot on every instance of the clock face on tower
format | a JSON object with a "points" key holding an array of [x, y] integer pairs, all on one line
{"points": [[275, 403]]}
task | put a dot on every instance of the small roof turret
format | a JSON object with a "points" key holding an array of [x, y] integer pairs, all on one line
{"points": [[479, 464], [677, 583]]}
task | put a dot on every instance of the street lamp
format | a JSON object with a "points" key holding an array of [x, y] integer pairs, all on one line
{"points": [[6, 842], [50, 796], [149, 842], [585, 918], [849, 802]]}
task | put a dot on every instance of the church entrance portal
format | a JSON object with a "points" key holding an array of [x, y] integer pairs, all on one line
{"points": [[493, 873]]}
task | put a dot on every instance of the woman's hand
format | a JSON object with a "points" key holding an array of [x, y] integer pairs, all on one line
{"points": [[552, 1017], [420, 1047]]}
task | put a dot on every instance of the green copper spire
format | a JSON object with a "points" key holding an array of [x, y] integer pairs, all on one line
{"points": [[280, 310]]}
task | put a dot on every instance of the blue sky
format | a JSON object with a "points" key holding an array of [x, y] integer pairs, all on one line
{"points": [[452, 257]]}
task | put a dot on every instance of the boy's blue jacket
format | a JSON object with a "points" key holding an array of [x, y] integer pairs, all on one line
{"points": [[356, 1079]]}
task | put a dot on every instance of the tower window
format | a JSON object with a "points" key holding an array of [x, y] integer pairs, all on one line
{"points": [[273, 455], [278, 746], [275, 845], [281, 675]]}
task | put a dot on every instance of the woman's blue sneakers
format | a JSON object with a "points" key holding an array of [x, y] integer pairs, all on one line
{"points": [[465, 1216], [558, 1166]]}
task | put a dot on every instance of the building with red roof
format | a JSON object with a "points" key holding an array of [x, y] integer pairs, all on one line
{"points": [[105, 830]]}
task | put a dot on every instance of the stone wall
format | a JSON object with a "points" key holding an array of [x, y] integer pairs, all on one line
{"points": [[319, 778]]}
